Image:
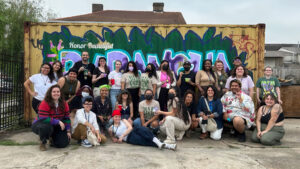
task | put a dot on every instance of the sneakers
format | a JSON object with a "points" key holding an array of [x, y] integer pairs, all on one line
{"points": [[43, 147], [86, 143], [161, 146], [242, 137], [167, 141], [171, 146], [203, 136]]}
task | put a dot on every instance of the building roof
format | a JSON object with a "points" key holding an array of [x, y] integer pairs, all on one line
{"points": [[128, 17], [276, 54], [294, 50], [275, 47]]}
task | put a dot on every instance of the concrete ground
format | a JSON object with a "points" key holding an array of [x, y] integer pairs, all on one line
{"points": [[191, 153]]}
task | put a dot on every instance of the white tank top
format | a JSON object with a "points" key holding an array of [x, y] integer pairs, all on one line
{"points": [[119, 130]]}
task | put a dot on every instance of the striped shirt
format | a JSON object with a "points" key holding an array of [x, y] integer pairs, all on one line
{"points": [[53, 116]]}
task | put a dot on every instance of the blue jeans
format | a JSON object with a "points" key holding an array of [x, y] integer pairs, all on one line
{"points": [[113, 97]]}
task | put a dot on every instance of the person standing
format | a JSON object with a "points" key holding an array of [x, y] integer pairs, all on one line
{"points": [[267, 84], [186, 79], [41, 83], [100, 76], [206, 77], [131, 82], [114, 78], [166, 80], [221, 75], [57, 70], [148, 80], [84, 69], [69, 85]]}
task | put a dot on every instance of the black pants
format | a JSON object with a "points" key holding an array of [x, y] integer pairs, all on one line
{"points": [[135, 101], [141, 136], [163, 99], [46, 130], [35, 104]]}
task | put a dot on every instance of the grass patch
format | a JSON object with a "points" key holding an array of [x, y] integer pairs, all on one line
{"points": [[13, 143]]}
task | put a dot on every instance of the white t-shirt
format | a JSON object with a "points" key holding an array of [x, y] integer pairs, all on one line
{"points": [[82, 116], [117, 76], [41, 84]]}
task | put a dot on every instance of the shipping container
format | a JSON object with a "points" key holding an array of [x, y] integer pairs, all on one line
{"points": [[142, 43]]}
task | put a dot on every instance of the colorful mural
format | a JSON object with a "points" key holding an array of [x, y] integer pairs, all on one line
{"points": [[143, 48]]}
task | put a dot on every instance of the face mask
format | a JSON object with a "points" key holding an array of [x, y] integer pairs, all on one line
{"points": [[171, 96], [165, 67], [130, 68], [148, 97], [187, 68], [148, 70], [84, 94]]}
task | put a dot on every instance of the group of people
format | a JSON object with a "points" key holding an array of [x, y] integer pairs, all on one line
{"points": [[134, 107]]}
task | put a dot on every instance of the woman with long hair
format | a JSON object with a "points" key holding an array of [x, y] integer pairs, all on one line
{"points": [[76, 102], [241, 74], [100, 76], [114, 78], [41, 83], [122, 130], [131, 82], [57, 69], [148, 80], [269, 122], [213, 111], [206, 77], [53, 120], [188, 100], [221, 75], [125, 105], [177, 118], [166, 80]]}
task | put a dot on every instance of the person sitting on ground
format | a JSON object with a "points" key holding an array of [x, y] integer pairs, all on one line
{"points": [[267, 84], [188, 100], [214, 110], [177, 120], [86, 120], [121, 130], [102, 108], [238, 108], [125, 104], [147, 108], [53, 120], [269, 122]]}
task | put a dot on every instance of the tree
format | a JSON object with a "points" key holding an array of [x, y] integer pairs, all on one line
{"points": [[13, 14]]}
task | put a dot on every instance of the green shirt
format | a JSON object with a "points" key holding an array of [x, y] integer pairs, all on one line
{"points": [[267, 85]]}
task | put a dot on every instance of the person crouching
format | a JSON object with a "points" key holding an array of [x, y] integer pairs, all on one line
{"points": [[86, 120]]}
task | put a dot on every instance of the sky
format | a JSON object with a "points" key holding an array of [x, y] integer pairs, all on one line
{"points": [[282, 17]]}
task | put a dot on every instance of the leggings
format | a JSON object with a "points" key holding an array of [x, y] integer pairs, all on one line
{"points": [[35, 104], [46, 130], [135, 101]]}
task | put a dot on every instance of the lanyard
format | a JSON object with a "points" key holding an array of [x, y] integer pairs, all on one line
{"points": [[87, 118]]}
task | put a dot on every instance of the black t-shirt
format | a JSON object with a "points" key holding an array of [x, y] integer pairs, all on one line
{"points": [[192, 109], [90, 67], [101, 81], [184, 85]]}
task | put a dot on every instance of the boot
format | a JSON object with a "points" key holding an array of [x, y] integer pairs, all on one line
{"points": [[43, 147]]}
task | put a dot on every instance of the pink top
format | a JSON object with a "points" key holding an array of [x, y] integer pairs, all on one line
{"points": [[164, 76], [247, 83]]}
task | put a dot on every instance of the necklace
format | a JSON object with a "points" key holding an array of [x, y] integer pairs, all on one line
{"points": [[45, 81]]}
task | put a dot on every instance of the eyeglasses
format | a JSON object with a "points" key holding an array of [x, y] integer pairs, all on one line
{"points": [[88, 104], [45, 67]]}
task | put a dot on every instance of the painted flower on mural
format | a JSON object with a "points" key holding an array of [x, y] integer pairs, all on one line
{"points": [[55, 50]]}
